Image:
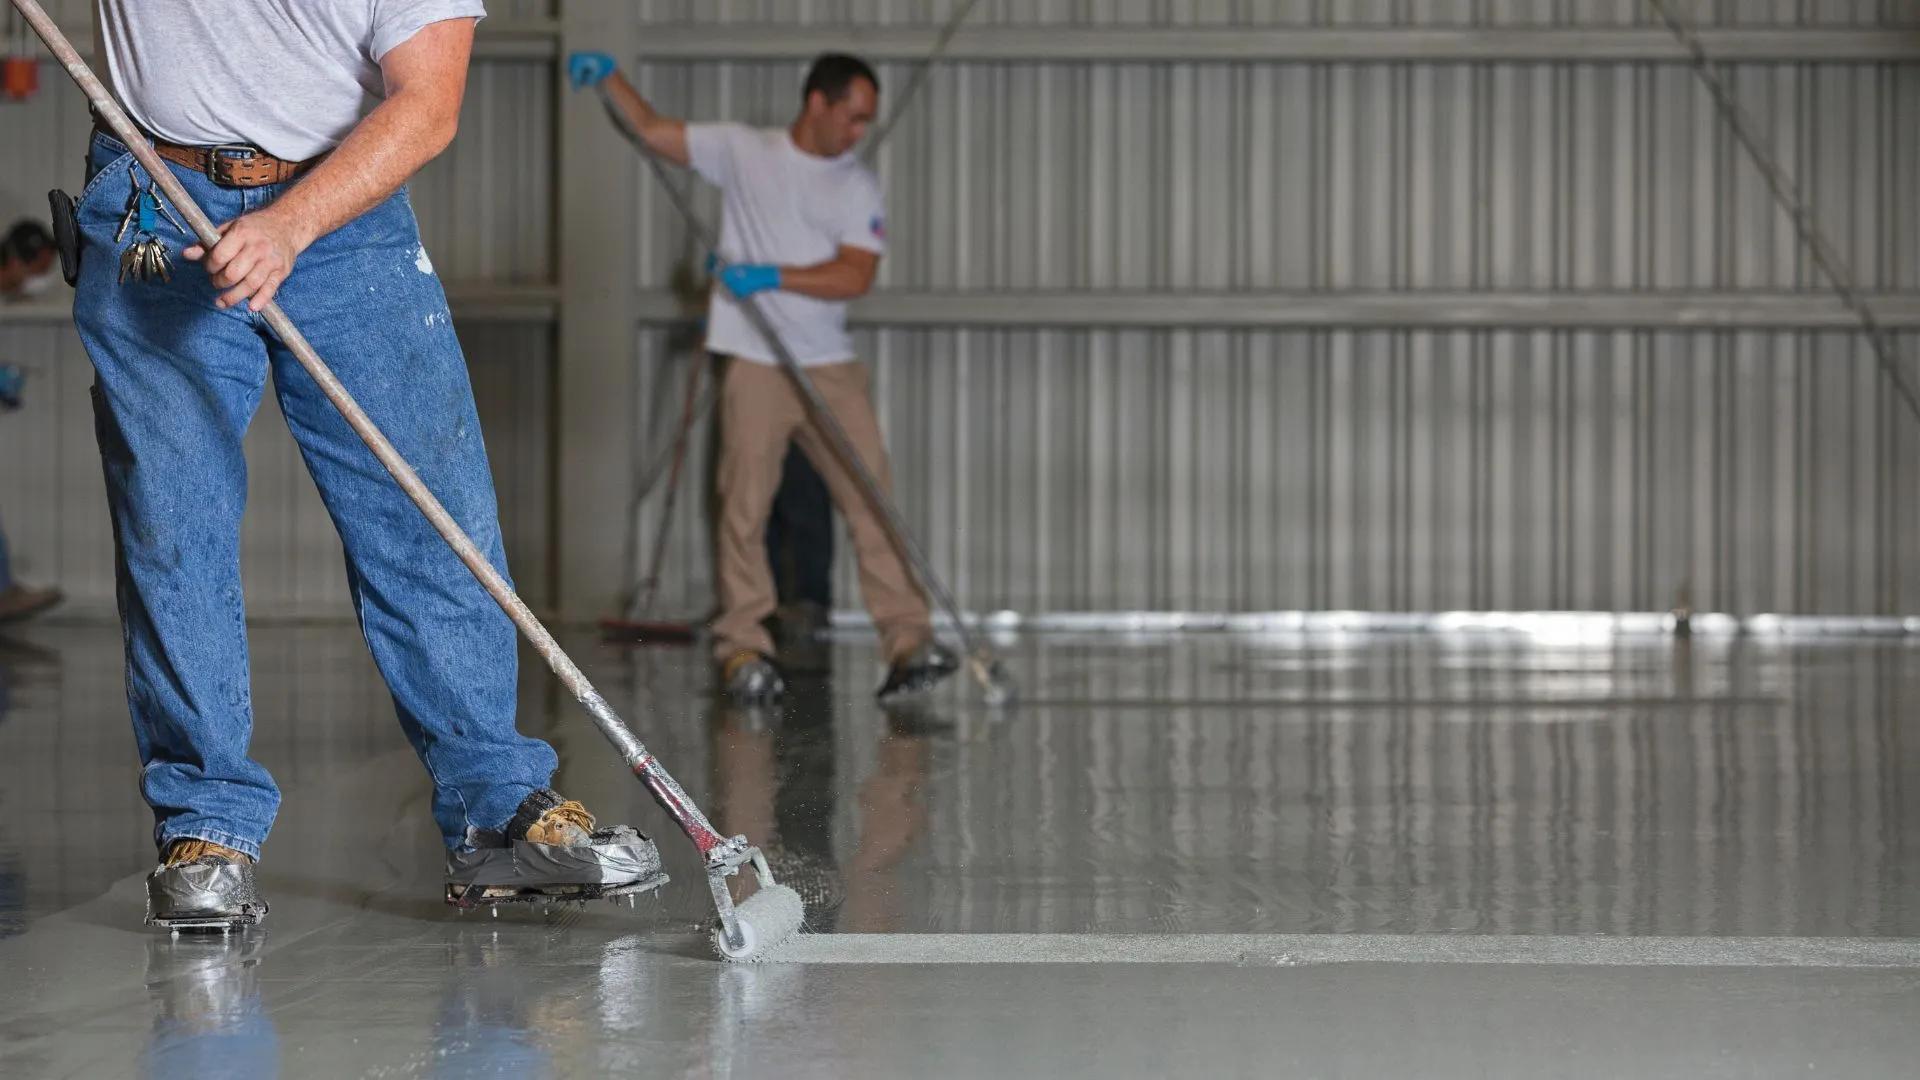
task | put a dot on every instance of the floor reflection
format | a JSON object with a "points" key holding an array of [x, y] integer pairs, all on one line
{"points": [[1370, 783], [489, 1024], [774, 778], [208, 1017], [1336, 783], [1202, 784]]}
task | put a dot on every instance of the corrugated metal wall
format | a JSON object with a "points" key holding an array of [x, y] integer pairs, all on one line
{"points": [[1182, 468], [1396, 469]]}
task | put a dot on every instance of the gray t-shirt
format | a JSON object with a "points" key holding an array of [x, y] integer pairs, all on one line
{"points": [[289, 76]]}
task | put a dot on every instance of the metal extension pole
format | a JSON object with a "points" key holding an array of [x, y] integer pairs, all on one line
{"points": [[984, 666], [663, 787], [1787, 194], [919, 79]]}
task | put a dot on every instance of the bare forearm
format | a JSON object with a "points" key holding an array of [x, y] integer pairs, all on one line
{"points": [[837, 279], [663, 135], [382, 152], [426, 76]]}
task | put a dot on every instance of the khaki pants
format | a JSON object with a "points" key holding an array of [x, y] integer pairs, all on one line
{"points": [[760, 413]]}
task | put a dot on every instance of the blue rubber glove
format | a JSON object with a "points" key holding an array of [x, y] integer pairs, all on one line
{"points": [[12, 379], [745, 279], [586, 70]]}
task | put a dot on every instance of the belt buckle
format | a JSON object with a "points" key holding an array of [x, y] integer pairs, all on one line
{"points": [[218, 158]]}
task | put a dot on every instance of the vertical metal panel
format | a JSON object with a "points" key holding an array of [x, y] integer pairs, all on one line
{"points": [[486, 205]]}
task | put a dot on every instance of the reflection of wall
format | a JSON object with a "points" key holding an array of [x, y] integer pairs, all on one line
{"points": [[1778, 805]]}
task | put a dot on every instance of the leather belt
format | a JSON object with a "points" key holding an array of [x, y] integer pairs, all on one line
{"points": [[233, 165]]}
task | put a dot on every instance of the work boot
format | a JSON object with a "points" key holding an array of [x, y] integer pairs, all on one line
{"points": [[20, 602], [201, 885], [919, 671], [752, 679], [551, 850]]}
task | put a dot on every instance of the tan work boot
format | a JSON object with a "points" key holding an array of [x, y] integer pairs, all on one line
{"points": [[562, 825]]}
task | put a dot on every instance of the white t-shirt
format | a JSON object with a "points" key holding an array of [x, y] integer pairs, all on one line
{"points": [[784, 206], [289, 76]]}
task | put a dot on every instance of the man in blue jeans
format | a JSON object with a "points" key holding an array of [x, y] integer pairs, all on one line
{"points": [[295, 126]]}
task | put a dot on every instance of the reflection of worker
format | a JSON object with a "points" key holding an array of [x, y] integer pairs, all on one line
{"points": [[17, 601], [28, 261], [774, 782], [893, 814], [208, 1016], [804, 227]]}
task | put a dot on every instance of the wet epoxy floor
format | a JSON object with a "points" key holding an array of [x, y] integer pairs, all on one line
{"points": [[1356, 788]]}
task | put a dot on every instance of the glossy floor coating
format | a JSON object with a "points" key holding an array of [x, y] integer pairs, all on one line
{"points": [[1337, 855]]}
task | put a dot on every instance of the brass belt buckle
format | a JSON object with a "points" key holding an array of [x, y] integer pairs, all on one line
{"points": [[222, 156]]}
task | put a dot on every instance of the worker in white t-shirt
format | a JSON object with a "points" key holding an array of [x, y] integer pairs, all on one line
{"points": [[803, 228]]}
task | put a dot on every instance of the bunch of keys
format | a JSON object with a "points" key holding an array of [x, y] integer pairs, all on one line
{"points": [[147, 258]]}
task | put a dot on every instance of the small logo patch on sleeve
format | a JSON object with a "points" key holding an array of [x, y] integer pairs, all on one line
{"points": [[879, 227]]}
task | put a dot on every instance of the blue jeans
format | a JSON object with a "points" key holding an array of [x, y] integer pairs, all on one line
{"points": [[177, 383]]}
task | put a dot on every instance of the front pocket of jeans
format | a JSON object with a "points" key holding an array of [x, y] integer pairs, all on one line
{"points": [[108, 170]]}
